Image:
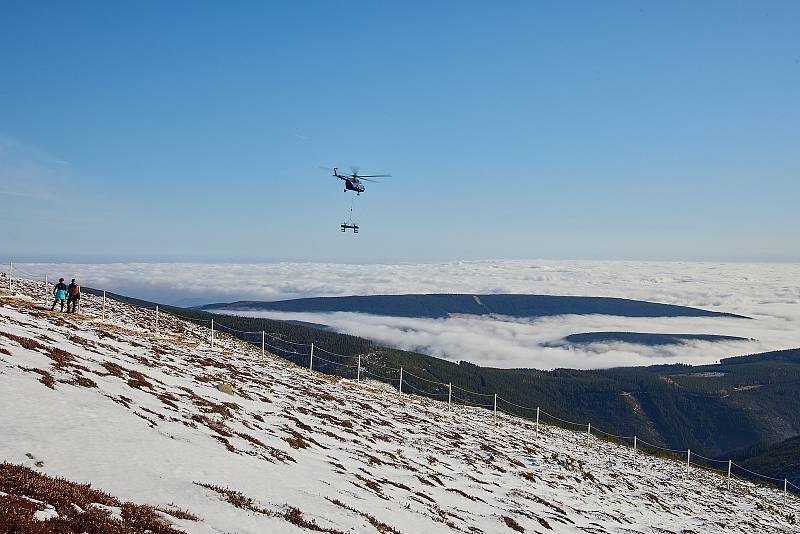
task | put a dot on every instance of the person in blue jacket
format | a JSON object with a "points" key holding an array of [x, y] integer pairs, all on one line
{"points": [[60, 294]]}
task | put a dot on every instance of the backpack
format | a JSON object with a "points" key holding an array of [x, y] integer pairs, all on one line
{"points": [[75, 290]]}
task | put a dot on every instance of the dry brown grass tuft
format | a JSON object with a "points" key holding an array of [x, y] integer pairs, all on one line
{"points": [[18, 517], [381, 527], [138, 380], [465, 495], [225, 442], [113, 369], [47, 379], [179, 513], [80, 380], [24, 342], [510, 523], [236, 498]]}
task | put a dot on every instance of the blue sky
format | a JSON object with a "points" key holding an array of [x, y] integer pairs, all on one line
{"points": [[194, 130]]}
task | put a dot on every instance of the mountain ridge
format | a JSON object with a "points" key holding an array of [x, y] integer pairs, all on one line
{"points": [[441, 305]]}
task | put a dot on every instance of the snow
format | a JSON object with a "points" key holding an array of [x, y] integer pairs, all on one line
{"points": [[48, 513], [349, 456]]}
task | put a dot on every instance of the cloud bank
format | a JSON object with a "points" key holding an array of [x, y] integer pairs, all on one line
{"points": [[770, 293], [510, 343]]}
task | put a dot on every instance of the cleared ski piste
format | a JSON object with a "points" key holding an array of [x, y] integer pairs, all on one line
{"points": [[141, 416]]}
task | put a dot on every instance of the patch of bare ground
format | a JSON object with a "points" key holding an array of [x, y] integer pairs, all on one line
{"points": [[72, 502]]}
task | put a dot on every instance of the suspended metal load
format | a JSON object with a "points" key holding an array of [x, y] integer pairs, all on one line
{"points": [[353, 182]]}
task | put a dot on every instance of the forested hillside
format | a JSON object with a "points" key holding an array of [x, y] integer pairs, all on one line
{"points": [[438, 306]]}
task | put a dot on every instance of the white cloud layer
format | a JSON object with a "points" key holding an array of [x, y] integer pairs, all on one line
{"points": [[506, 342], [770, 293]]}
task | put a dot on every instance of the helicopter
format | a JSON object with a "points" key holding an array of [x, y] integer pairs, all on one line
{"points": [[352, 182]]}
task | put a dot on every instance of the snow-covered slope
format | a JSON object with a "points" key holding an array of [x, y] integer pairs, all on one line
{"points": [[146, 418]]}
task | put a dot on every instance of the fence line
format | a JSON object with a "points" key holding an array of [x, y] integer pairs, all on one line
{"points": [[363, 368]]}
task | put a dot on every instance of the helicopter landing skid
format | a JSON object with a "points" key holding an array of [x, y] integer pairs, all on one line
{"points": [[353, 227]]}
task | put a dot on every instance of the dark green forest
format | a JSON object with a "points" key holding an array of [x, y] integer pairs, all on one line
{"points": [[445, 305]]}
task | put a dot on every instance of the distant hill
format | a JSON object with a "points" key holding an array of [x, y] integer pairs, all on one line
{"points": [[444, 305], [644, 338]]}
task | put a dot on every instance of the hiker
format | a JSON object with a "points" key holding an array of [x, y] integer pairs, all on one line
{"points": [[73, 295], [60, 294]]}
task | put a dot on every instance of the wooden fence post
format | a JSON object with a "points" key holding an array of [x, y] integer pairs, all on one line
{"points": [[358, 371], [311, 358], [449, 396], [537, 422], [401, 380], [688, 461], [785, 483], [729, 474]]}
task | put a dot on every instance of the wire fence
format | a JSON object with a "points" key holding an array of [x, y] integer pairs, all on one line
{"points": [[358, 366]]}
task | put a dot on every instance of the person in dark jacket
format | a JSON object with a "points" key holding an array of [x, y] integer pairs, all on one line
{"points": [[59, 294], [73, 295]]}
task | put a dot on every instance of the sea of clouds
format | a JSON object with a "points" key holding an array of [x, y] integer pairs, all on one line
{"points": [[767, 292]]}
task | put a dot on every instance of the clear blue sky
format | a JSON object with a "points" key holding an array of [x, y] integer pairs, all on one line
{"points": [[194, 130]]}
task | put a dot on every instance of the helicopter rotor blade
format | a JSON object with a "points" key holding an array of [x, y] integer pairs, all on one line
{"points": [[355, 169], [368, 180], [375, 176]]}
